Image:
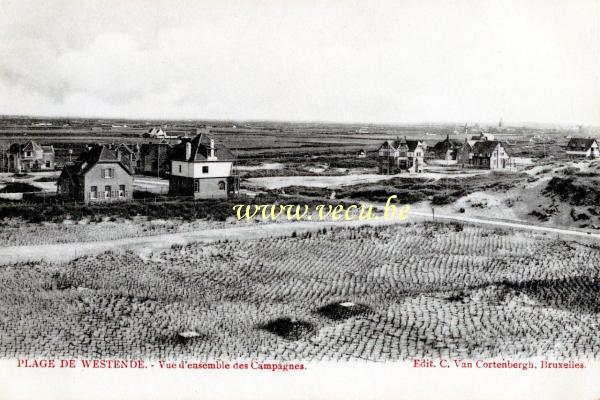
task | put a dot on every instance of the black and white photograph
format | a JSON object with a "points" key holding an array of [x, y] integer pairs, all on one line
{"points": [[300, 199]]}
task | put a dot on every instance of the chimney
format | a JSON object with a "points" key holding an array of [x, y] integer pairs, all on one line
{"points": [[212, 148], [188, 150]]}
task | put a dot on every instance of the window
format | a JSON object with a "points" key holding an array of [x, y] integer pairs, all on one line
{"points": [[27, 154], [180, 168], [47, 164], [205, 169], [196, 185], [94, 192], [107, 192], [108, 173], [221, 185], [121, 190]]}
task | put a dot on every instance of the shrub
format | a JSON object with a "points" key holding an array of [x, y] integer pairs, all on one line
{"points": [[19, 187], [288, 328], [342, 310]]}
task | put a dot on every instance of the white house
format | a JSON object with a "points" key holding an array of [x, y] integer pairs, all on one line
{"points": [[202, 168]]}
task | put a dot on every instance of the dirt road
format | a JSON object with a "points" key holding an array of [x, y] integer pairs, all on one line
{"points": [[147, 244]]}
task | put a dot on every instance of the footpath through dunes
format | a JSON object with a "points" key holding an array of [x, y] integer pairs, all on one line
{"points": [[62, 252], [365, 293]]}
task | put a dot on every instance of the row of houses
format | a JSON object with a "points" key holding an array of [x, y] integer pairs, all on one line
{"points": [[198, 167], [201, 167], [480, 151], [148, 158]]}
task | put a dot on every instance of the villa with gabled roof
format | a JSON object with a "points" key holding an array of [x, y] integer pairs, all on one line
{"points": [[400, 155], [30, 156], [102, 173], [203, 168]]}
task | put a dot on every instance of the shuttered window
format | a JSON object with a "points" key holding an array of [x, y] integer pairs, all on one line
{"points": [[108, 173]]}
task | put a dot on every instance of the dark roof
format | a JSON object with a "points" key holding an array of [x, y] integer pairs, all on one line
{"points": [[134, 150], [146, 147], [412, 144], [96, 154], [580, 144], [446, 144], [200, 150], [466, 143], [399, 142], [48, 149], [486, 147], [27, 146]]}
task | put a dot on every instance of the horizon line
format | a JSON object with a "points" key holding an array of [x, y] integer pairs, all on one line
{"points": [[292, 121]]}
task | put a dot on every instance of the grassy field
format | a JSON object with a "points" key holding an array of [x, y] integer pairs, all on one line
{"points": [[372, 293]]}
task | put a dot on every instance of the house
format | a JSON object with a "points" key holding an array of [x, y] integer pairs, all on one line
{"points": [[490, 154], [583, 148], [464, 154], [154, 158], [401, 155], [29, 156], [446, 149], [157, 133], [202, 168], [482, 136], [132, 152], [102, 173]]}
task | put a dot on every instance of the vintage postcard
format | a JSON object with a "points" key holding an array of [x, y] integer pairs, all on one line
{"points": [[328, 199]]}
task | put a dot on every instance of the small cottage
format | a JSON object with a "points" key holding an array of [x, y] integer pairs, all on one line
{"points": [[446, 149], [464, 155], [490, 154], [102, 173], [583, 148]]}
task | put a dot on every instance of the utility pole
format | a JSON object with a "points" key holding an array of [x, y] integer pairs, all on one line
{"points": [[544, 150], [158, 160]]}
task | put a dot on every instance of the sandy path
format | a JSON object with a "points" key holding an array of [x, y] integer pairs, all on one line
{"points": [[63, 252], [67, 251]]}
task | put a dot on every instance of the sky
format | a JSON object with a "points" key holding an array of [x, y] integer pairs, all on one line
{"points": [[397, 61]]}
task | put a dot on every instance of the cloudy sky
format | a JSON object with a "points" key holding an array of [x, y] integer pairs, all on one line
{"points": [[350, 61]]}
